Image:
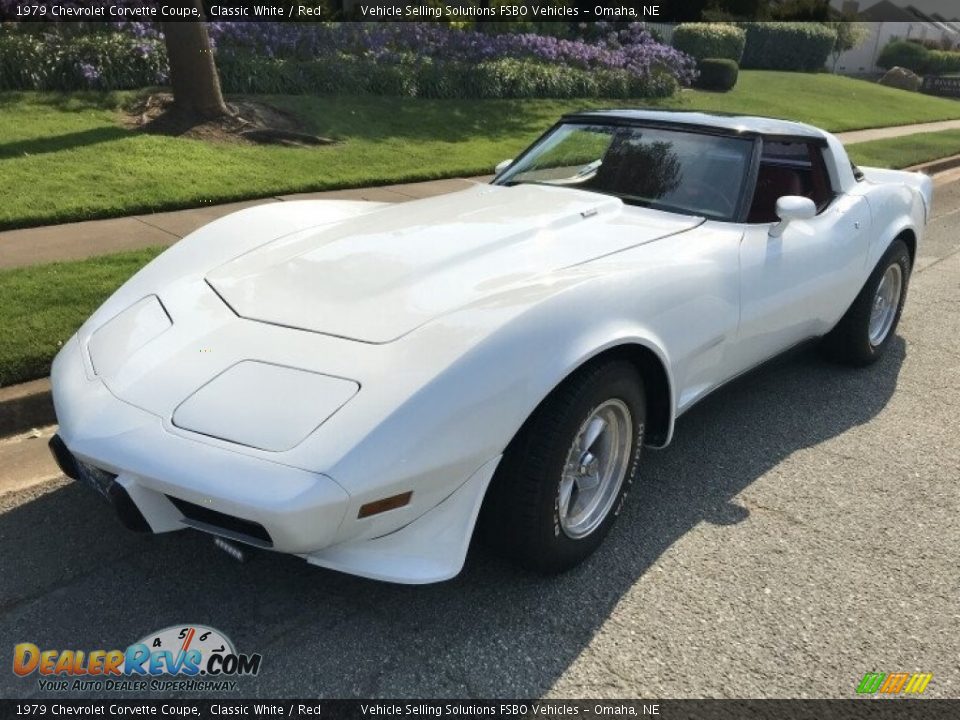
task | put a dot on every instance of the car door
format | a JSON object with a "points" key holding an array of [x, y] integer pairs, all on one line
{"points": [[797, 285]]}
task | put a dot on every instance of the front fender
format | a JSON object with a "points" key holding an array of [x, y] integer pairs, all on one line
{"points": [[509, 360]]}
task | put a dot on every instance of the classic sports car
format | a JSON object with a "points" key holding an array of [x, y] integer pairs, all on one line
{"points": [[361, 384]]}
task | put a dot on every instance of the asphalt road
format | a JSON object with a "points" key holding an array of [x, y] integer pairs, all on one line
{"points": [[801, 531]]}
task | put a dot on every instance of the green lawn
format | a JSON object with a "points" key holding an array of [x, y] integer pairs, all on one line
{"points": [[907, 150], [43, 306], [832, 102], [67, 157]]}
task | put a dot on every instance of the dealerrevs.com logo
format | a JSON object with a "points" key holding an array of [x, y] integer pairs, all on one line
{"points": [[180, 657]]}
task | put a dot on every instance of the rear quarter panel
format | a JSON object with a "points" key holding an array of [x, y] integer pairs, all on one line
{"points": [[899, 201]]}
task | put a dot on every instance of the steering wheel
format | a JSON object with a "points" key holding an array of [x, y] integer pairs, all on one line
{"points": [[701, 193]]}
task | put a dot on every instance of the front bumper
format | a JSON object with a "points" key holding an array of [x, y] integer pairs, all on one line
{"points": [[158, 482], [176, 482], [103, 483]]}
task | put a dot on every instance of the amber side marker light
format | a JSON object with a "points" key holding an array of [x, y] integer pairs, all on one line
{"points": [[389, 503]]}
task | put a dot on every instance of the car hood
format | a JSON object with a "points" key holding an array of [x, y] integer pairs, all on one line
{"points": [[378, 276]]}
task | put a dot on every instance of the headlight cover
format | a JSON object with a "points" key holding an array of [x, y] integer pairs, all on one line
{"points": [[264, 406], [112, 344]]}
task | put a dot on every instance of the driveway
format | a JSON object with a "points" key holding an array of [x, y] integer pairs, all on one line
{"points": [[802, 530]]}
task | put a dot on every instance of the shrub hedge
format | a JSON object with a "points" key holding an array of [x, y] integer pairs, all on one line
{"points": [[914, 56], [108, 61], [787, 45], [901, 53], [941, 62], [506, 78], [116, 61], [718, 74], [710, 40]]}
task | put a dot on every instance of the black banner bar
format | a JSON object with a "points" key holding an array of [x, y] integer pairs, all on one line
{"points": [[854, 709], [479, 10]]}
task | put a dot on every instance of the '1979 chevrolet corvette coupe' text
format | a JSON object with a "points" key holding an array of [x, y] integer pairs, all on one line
{"points": [[362, 383]]}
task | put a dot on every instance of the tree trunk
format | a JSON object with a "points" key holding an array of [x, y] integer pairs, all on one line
{"points": [[193, 73]]}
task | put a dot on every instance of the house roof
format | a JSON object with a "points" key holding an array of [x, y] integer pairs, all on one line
{"points": [[886, 11]]}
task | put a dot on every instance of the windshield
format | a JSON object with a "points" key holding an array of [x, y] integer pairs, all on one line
{"points": [[680, 171]]}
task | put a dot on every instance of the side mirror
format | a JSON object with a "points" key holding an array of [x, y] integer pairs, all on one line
{"points": [[790, 208], [501, 166]]}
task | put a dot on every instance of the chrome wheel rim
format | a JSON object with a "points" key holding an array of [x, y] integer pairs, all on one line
{"points": [[595, 468], [885, 303]]}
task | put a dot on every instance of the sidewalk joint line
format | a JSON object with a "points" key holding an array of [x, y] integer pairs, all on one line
{"points": [[157, 227], [938, 261]]}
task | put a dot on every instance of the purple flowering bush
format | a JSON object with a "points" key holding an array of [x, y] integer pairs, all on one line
{"points": [[504, 78], [102, 61], [434, 60], [633, 50], [412, 59]]}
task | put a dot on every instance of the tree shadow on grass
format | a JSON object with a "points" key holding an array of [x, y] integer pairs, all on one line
{"points": [[398, 118], [74, 578], [371, 118], [73, 101], [58, 143]]}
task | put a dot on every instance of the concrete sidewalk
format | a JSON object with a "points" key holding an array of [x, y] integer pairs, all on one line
{"points": [[859, 136], [75, 241]]}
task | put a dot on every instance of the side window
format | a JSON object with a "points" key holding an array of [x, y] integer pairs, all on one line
{"points": [[789, 168]]}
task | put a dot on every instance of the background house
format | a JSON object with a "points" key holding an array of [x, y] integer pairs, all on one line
{"points": [[898, 22]]}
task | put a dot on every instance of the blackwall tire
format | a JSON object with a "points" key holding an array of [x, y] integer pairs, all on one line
{"points": [[868, 327], [564, 477]]}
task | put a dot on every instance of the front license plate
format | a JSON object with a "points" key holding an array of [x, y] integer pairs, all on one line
{"points": [[98, 480]]}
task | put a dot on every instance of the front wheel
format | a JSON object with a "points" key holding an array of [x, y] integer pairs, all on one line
{"points": [[867, 328], [564, 477]]}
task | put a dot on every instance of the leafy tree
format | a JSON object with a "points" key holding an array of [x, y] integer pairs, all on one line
{"points": [[746, 9], [802, 11], [850, 35], [193, 72]]}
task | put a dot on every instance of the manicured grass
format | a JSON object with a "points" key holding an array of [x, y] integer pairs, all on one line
{"points": [[831, 102], [42, 306], [67, 157], [907, 150], [67, 160]]}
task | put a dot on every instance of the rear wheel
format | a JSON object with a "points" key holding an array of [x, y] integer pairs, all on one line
{"points": [[563, 479], [869, 325]]}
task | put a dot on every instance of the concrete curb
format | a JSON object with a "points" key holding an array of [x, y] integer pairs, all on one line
{"points": [[30, 405], [26, 406], [937, 166]]}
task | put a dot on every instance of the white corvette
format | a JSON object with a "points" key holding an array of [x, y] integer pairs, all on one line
{"points": [[361, 384]]}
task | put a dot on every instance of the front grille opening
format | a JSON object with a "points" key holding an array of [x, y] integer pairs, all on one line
{"points": [[219, 523]]}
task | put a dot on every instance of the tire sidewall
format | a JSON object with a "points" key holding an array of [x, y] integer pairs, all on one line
{"points": [[619, 382], [898, 254]]}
